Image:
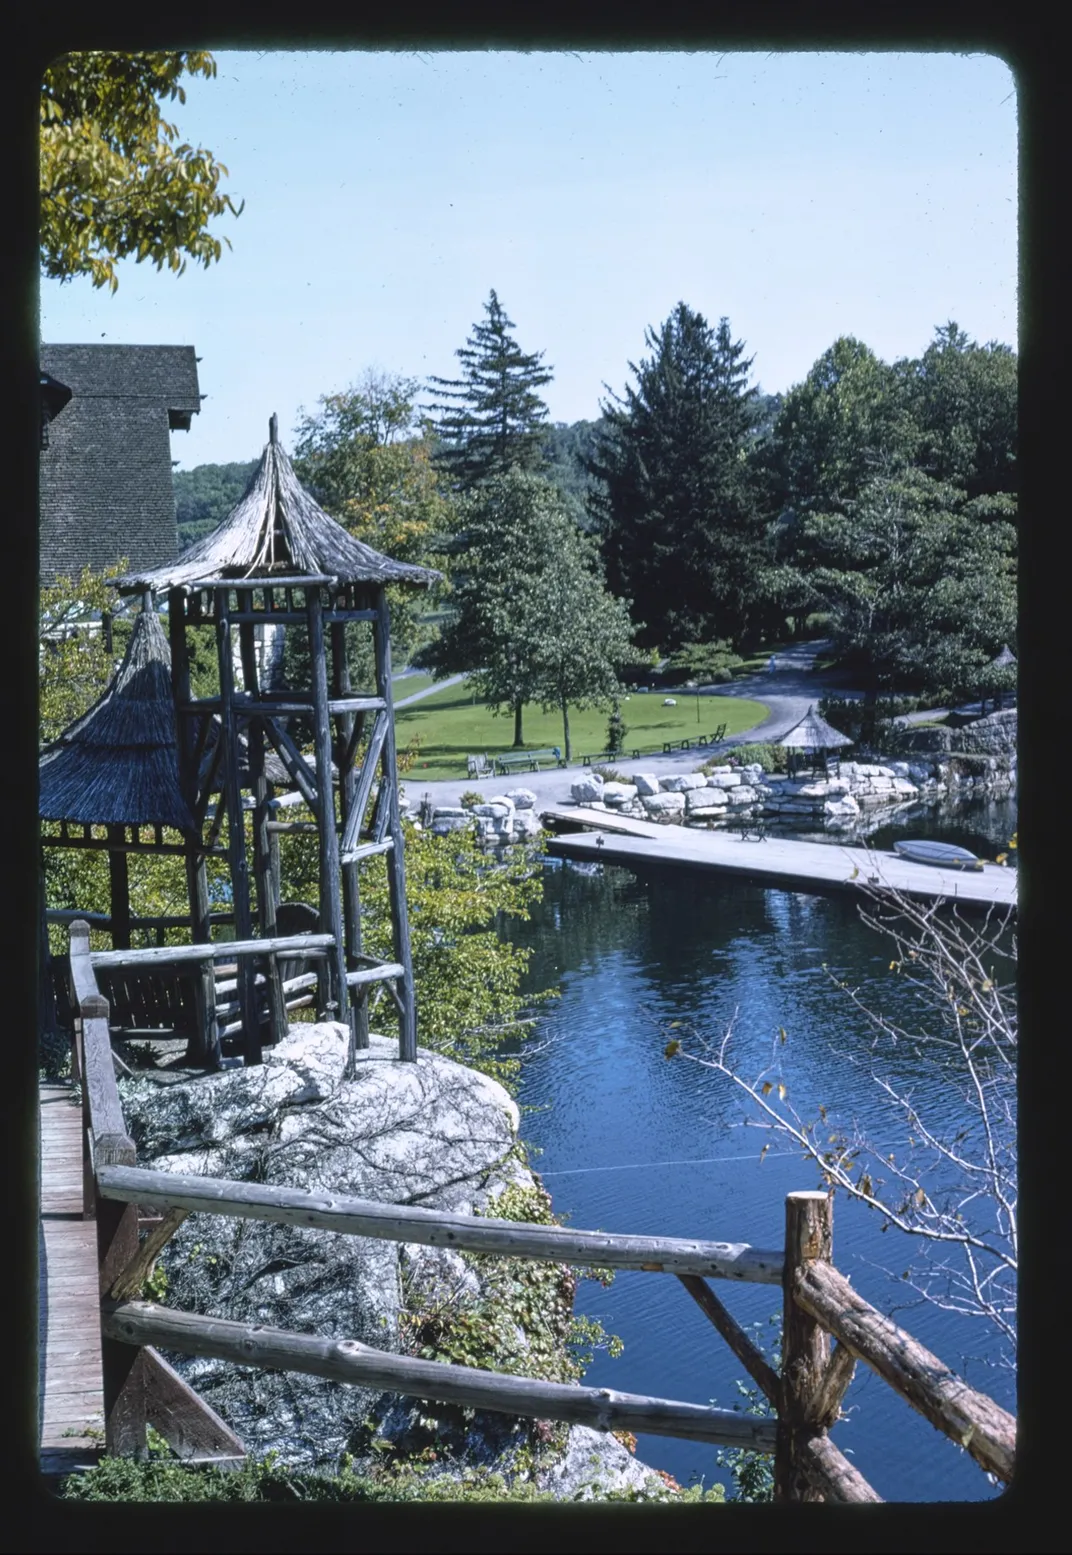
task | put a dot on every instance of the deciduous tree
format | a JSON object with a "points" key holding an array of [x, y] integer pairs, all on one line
{"points": [[116, 181]]}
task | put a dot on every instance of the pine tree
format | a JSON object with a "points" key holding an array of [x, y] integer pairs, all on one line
{"points": [[680, 527], [491, 418]]}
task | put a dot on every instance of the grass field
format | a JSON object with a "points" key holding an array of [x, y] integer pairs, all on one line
{"points": [[452, 725], [408, 685]]}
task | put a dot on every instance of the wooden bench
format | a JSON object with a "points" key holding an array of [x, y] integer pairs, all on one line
{"points": [[527, 761], [478, 766], [669, 746]]}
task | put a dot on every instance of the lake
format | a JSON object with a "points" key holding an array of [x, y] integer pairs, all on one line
{"points": [[627, 1140]]}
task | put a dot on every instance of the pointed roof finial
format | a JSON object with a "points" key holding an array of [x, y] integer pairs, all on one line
{"points": [[273, 428]]}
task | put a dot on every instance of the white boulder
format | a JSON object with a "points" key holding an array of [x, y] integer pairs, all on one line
{"points": [[663, 806], [587, 788], [523, 798], [646, 783]]}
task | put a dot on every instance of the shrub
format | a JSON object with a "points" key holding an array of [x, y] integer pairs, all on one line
{"points": [[772, 758], [610, 774], [166, 1479], [470, 798]]}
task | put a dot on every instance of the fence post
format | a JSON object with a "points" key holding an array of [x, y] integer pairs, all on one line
{"points": [[809, 1224], [122, 1373]]}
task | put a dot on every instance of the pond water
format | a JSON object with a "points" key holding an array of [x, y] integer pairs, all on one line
{"points": [[629, 1141]]}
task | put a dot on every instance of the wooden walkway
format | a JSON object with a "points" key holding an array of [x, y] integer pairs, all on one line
{"points": [[69, 1352], [776, 861]]}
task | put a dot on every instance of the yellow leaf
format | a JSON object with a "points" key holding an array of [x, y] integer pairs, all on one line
{"points": [[893, 966], [671, 1049], [866, 1185], [781, 1092], [763, 1152], [767, 1087], [920, 1197]]}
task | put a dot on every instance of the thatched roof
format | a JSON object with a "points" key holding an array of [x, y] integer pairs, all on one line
{"points": [[277, 529], [118, 762], [1005, 659], [813, 733]]}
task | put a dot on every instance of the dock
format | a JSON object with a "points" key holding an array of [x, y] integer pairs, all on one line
{"points": [[70, 1387], [782, 862]]}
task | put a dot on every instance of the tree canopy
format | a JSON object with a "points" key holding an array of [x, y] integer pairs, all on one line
{"points": [[531, 620], [919, 581], [116, 181], [492, 417], [681, 532]]}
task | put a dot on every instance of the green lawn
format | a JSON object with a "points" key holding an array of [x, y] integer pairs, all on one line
{"points": [[408, 685], [451, 725]]}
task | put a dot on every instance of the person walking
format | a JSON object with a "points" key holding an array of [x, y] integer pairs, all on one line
{"points": [[772, 664]]}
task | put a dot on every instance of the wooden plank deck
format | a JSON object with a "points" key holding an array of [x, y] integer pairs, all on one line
{"points": [[776, 861], [69, 1352]]}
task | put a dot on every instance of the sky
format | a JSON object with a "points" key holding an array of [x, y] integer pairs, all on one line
{"points": [[802, 196]]}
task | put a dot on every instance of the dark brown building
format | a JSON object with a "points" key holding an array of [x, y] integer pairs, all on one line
{"points": [[106, 489]]}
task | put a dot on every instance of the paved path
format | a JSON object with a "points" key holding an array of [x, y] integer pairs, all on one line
{"points": [[416, 696], [69, 1354], [787, 694], [777, 861]]}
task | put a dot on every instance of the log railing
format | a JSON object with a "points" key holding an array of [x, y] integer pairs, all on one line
{"points": [[140, 1389]]}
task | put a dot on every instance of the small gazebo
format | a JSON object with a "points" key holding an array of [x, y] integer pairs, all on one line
{"points": [[813, 736], [110, 783], [117, 768]]}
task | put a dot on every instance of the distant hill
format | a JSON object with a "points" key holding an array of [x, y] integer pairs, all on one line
{"points": [[204, 496]]}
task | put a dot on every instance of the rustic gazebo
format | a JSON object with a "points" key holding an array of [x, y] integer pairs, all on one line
{"points": [[111, 780], [814, 736], [279, 560]]}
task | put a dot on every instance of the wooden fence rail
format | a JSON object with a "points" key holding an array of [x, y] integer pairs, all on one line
{"points": [[805, 1395], [440, 1228], [138, 1323]]}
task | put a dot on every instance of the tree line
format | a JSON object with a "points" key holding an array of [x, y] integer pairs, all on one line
{"points": [[696, 518]]}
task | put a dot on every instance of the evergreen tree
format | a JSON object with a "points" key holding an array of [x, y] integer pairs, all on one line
{"points": [[680, 527], [491, 418]]}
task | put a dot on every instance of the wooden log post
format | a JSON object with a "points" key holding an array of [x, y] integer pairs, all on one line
{"points": [[805, 1346], [262, 852], [349, 725], [204, 1045], [327, 835], [119, 887], [236, 849], [117, 1231], [396, 869]]}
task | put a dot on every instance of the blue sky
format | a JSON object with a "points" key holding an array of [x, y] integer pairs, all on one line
{"points": [[804, 196]]}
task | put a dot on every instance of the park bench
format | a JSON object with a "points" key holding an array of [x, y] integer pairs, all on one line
{"points": [[587, 761], [527, 761], [669, 746], [479, 766]]}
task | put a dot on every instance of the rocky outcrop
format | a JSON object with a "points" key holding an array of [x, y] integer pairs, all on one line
{"points": [[432, 1133]]}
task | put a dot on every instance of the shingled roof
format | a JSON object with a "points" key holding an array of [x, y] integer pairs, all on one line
{"points": [[118, 763], [277, 529], [106, 488]]}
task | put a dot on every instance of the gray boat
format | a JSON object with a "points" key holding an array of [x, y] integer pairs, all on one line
{"points": [[944, 854]]}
